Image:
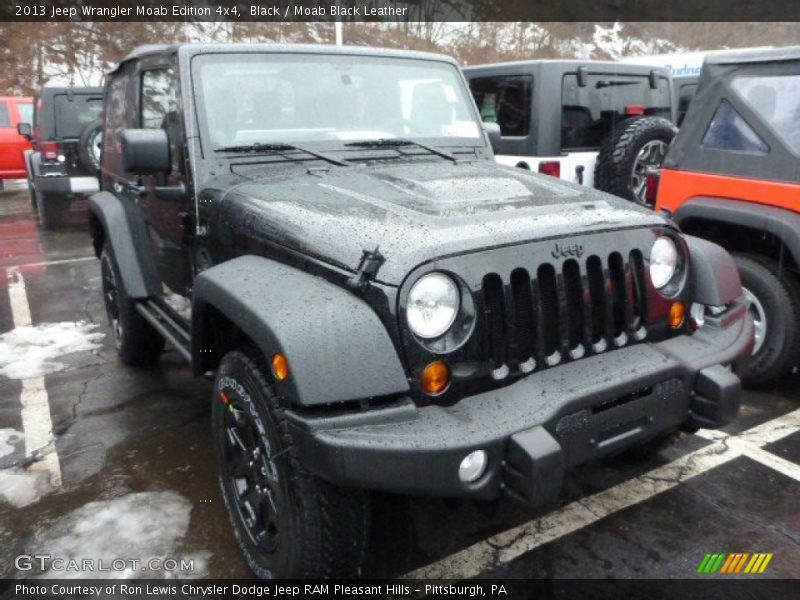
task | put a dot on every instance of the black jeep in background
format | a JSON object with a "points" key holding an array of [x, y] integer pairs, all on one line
{"points": [[66, 136], [383, 305]]}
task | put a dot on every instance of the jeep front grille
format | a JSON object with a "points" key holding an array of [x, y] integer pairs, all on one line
{"points": [[537, 318]]}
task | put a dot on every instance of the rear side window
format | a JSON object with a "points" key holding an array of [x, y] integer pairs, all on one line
{"points": [[776, 100], [685, 96], [74, 112], [25, 112], [159, 105], [5, 120], [505, 100], [729, 131], [116, 120], [159, 97]]}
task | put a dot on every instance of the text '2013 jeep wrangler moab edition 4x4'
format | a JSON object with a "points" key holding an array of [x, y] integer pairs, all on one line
{"points": [[732, 177], [595, 123], [385, 307]]}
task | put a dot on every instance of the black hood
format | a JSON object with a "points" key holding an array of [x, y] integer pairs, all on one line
{"points": [[417, 212]]}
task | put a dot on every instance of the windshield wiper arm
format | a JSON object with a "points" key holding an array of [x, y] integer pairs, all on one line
{"points": [[388, 142], [612, 82], [259, 148]]}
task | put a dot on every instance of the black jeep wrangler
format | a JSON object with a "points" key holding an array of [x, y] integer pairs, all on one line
{"points": [[65, 157], [384, 306]]}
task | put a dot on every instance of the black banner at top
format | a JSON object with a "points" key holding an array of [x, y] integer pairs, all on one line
{"points": [[399, 10]]}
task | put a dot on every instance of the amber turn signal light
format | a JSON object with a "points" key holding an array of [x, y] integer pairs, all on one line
{"points": [[435, 378], [280, 367], [677, 314]]}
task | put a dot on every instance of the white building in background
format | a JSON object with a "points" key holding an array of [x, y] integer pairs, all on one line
{"points": [[680, 64]]}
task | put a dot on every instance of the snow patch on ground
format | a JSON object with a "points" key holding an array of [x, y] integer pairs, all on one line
{"points": [[8, 437], [32, 350], [20, 488], [141, 526], [180, 304]]}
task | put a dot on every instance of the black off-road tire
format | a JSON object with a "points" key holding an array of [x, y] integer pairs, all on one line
{"points": [[779, 294], [89, 137], [51, 209], [316, 530], [137, 343], [613, 171]]}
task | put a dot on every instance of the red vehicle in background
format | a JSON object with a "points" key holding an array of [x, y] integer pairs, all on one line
{"points": [[12, 145]]}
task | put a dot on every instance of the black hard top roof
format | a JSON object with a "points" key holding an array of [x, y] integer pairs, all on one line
{"points": [[753, 55], [151, 49]]}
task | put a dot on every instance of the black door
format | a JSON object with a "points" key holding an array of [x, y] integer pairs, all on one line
{"points": [[165, 219]]}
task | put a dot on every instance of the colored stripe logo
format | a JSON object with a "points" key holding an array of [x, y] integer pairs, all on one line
{"points": [[734, 563]]}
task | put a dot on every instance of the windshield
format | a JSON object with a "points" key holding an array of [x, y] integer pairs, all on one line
{"points": [[272, 98]]}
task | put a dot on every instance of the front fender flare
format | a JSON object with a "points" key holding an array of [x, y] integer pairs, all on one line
{"points": [[336, 346], [715, 279]]}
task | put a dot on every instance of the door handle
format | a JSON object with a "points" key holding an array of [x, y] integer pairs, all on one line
{"points": [[136, 188]]}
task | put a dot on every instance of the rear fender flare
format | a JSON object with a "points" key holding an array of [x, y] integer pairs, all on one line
{"points": [[138, 279]]}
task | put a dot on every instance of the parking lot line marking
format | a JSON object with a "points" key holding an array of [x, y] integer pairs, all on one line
{"points": [[50, 263], [37, 425], [773, 461], [508, 545]]}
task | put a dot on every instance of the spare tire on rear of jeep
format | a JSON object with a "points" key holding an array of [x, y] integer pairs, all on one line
{"points": [[628, 152], [89, 146]]}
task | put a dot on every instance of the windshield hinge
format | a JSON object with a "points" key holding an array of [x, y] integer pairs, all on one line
{"points": [[367, 269]]}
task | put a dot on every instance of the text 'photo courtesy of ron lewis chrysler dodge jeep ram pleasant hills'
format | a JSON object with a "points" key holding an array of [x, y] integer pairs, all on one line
{"points": [[384, 307]]}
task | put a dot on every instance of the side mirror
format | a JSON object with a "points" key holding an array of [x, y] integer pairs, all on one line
{"points": [[145, 152], [25, 130], [493, 131]]}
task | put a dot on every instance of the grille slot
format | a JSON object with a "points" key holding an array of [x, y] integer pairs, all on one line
{"points": [[564, 312]]}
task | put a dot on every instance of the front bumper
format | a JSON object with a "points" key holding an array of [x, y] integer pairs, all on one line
{"points": [[537, 428]]}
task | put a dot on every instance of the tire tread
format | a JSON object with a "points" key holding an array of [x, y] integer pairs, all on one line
{"points": [[335, 521], [612, 171]]}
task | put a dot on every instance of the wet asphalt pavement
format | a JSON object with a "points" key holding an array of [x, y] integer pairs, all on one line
{"points": [[652, 512]]}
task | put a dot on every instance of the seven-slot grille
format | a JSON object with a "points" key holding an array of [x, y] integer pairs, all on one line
{"points": [[540, 317]]}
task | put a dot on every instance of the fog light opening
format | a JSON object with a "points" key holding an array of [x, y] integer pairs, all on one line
{"points": [[473, 466]]}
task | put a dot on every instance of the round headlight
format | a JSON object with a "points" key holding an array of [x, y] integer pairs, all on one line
{"points": [[433, 304], [663, 261]]}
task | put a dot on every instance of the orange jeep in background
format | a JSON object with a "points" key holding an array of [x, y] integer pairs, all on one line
{"points": [[12, 145], [732, 176]]}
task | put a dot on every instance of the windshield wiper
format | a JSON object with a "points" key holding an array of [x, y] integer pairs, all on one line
{"points": [[259, 148], [389, 142]]}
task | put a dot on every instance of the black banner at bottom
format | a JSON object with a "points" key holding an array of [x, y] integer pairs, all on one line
{"points": [[207, 589]]}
